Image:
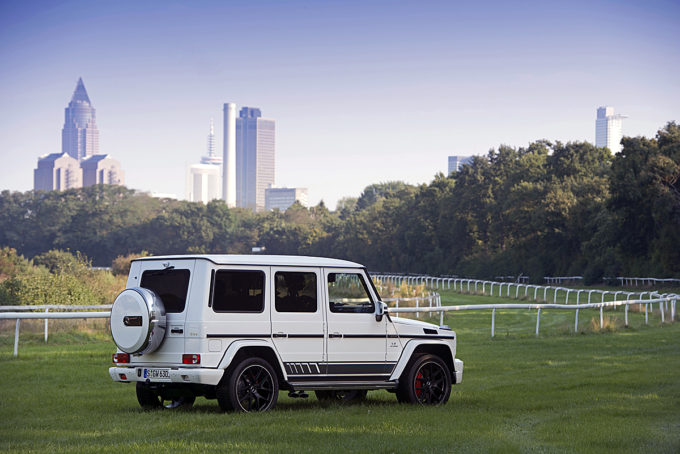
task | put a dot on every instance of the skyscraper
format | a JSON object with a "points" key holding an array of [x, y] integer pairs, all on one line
{"points": [[255, 148], [79, 163], [80, 137], [608, 131]]}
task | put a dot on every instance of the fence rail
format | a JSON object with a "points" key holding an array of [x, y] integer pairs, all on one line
{"points": [[433, 301], [470, 285], [20, 313], [671, 300]]}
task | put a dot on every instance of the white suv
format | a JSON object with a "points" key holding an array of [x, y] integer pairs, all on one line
{"points": [[241, 327]]}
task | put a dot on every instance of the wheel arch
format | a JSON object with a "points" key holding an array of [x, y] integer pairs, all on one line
{"points": [[416, 348], [236, 353]]}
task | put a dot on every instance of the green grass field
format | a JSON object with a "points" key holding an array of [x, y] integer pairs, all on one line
{"points": [[616, 390]]}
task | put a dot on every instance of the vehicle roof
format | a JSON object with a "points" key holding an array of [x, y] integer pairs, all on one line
{"points": [[265, 260]]}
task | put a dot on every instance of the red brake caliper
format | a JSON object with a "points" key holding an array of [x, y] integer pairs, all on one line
{"points": [[419, 384]]}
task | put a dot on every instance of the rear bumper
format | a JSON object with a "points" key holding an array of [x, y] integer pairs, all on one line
{"points": [[175, 375], [458, 367]]}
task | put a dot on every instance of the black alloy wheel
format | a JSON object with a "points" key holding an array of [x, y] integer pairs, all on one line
{"points": [[252, 386], [427, 382]]}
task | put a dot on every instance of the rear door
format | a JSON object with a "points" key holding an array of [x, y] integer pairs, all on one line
{"points": [[171, 280], [298, 320]]}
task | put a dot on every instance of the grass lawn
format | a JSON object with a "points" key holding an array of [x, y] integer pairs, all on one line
{"points": [[611, 391]]}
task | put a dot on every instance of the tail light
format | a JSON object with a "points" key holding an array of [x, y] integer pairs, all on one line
{"points": [[119, 358], [191, 358]]}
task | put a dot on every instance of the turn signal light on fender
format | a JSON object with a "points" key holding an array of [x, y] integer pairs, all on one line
{"points": [[121, 358], [191, 358]]}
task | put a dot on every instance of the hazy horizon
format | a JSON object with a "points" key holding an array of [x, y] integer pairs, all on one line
{"points": [[362, 92]]}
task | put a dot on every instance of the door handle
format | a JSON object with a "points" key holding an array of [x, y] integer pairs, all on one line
{"points": [[333, 335], [279, 335]]}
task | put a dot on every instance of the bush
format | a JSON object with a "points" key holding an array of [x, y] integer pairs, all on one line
{"points": [[121, 264]]}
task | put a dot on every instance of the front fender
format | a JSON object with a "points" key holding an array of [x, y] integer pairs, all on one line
{"points": [[410, 348]]}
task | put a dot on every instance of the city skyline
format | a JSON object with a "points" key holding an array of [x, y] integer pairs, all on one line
{"points": [[363, 92]]}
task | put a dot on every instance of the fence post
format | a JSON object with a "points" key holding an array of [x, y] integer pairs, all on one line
{"points": [[662, 312], [601, 317], [441, 318], [493, 321], [417, 313], [576, 322], [16, 338], [672, 311], [626, 316], [646, 316], [538, 320], [46, 311]]}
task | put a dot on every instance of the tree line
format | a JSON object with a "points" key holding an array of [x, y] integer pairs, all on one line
{"points": [[549, 208]]}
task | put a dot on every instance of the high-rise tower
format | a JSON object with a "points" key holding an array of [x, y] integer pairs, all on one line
{"points": [[80, 137], [255, 147], [229, 163], [608, 131]]}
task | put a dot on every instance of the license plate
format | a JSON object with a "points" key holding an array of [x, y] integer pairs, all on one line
{"points": [[156, 373]]}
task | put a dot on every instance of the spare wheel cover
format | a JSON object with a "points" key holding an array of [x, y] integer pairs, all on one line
{"points": [[138, 320]]}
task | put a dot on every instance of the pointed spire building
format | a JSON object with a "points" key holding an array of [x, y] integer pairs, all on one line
{"points": [[80, 136], [79, 163]]}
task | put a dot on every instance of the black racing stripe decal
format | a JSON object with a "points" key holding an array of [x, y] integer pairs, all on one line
{"points": [[345, 369], [366, 368]]}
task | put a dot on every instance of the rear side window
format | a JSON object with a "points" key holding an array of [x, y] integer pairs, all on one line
{"points": [[170, 285], [238, 291], [295, 292]]}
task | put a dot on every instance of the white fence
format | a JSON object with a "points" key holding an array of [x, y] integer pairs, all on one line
{"points": [[21, 312], [668, 301], [515, 290]]}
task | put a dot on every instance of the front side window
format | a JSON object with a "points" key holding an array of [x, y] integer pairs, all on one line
{"points": [[295, 292], [170, 285], [238, 291], [347, 292]]}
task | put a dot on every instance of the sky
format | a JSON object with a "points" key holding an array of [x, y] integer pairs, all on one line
{"points": [[362, 92]]}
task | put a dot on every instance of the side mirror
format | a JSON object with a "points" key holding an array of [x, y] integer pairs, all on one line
{"points": [[382, 310]]}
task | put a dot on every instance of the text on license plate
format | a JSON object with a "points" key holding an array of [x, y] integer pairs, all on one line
{"points": [[156, 373]]}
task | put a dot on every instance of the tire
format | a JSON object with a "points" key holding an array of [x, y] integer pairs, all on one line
{"points": [[426, 381], [251, 386], [149, 399], [342, 396]]}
